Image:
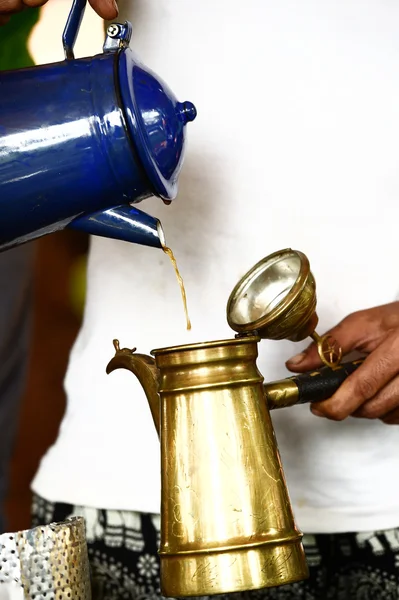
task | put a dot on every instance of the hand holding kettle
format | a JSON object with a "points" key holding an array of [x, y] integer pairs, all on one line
{"points": [[107, 9]]}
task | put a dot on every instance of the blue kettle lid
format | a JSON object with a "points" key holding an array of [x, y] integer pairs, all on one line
{"points": [[156, 122]]}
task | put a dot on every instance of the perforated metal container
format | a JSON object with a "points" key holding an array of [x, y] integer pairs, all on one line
{"points": [[45, 563]]}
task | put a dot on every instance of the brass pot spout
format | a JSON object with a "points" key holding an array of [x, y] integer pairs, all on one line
{"points": [[146, 371]]}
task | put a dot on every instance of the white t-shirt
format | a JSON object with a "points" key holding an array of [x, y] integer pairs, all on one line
{"points": [[296, 145]]}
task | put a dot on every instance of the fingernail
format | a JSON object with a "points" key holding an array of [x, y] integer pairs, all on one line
{"points": [[298, 358], [116, 7]]}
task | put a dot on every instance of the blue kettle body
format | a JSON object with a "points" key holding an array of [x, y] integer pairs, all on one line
{"points": [[83, 140]]}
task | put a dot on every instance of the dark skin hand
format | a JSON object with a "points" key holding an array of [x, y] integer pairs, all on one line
{"points": [[372, 391], [107, 9]]}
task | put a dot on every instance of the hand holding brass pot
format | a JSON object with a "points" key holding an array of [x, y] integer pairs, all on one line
{"points": [[226, 519]]}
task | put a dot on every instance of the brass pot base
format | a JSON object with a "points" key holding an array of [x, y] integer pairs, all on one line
{"points": [[238, 570]]}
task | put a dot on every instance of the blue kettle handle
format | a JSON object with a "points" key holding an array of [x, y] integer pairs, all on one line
{"points": [[72, 27]]}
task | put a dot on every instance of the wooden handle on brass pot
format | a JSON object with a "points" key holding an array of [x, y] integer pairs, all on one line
{"points": [[313, 386]]}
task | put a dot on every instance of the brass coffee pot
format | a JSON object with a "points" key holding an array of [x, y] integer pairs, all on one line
{"points": [[226, 518]]}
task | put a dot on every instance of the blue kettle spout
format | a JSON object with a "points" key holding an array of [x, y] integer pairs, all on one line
{"points": [[125, 223]]}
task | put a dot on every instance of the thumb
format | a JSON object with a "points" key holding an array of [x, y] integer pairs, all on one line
{"points": [[107, 9], [348, 335], [304, 361]]}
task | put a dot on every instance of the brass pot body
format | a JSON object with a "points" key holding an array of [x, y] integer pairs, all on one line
{"points": [[226, 519]]}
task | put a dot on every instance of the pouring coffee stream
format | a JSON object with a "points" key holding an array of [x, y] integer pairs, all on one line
{"points": [[180, 281], [226, 518]]}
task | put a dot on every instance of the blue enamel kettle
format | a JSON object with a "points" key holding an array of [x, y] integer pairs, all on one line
{"points": [[84, 140]]}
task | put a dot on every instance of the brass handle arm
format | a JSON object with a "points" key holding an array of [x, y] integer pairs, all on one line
{"points": [[313, 386]]}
